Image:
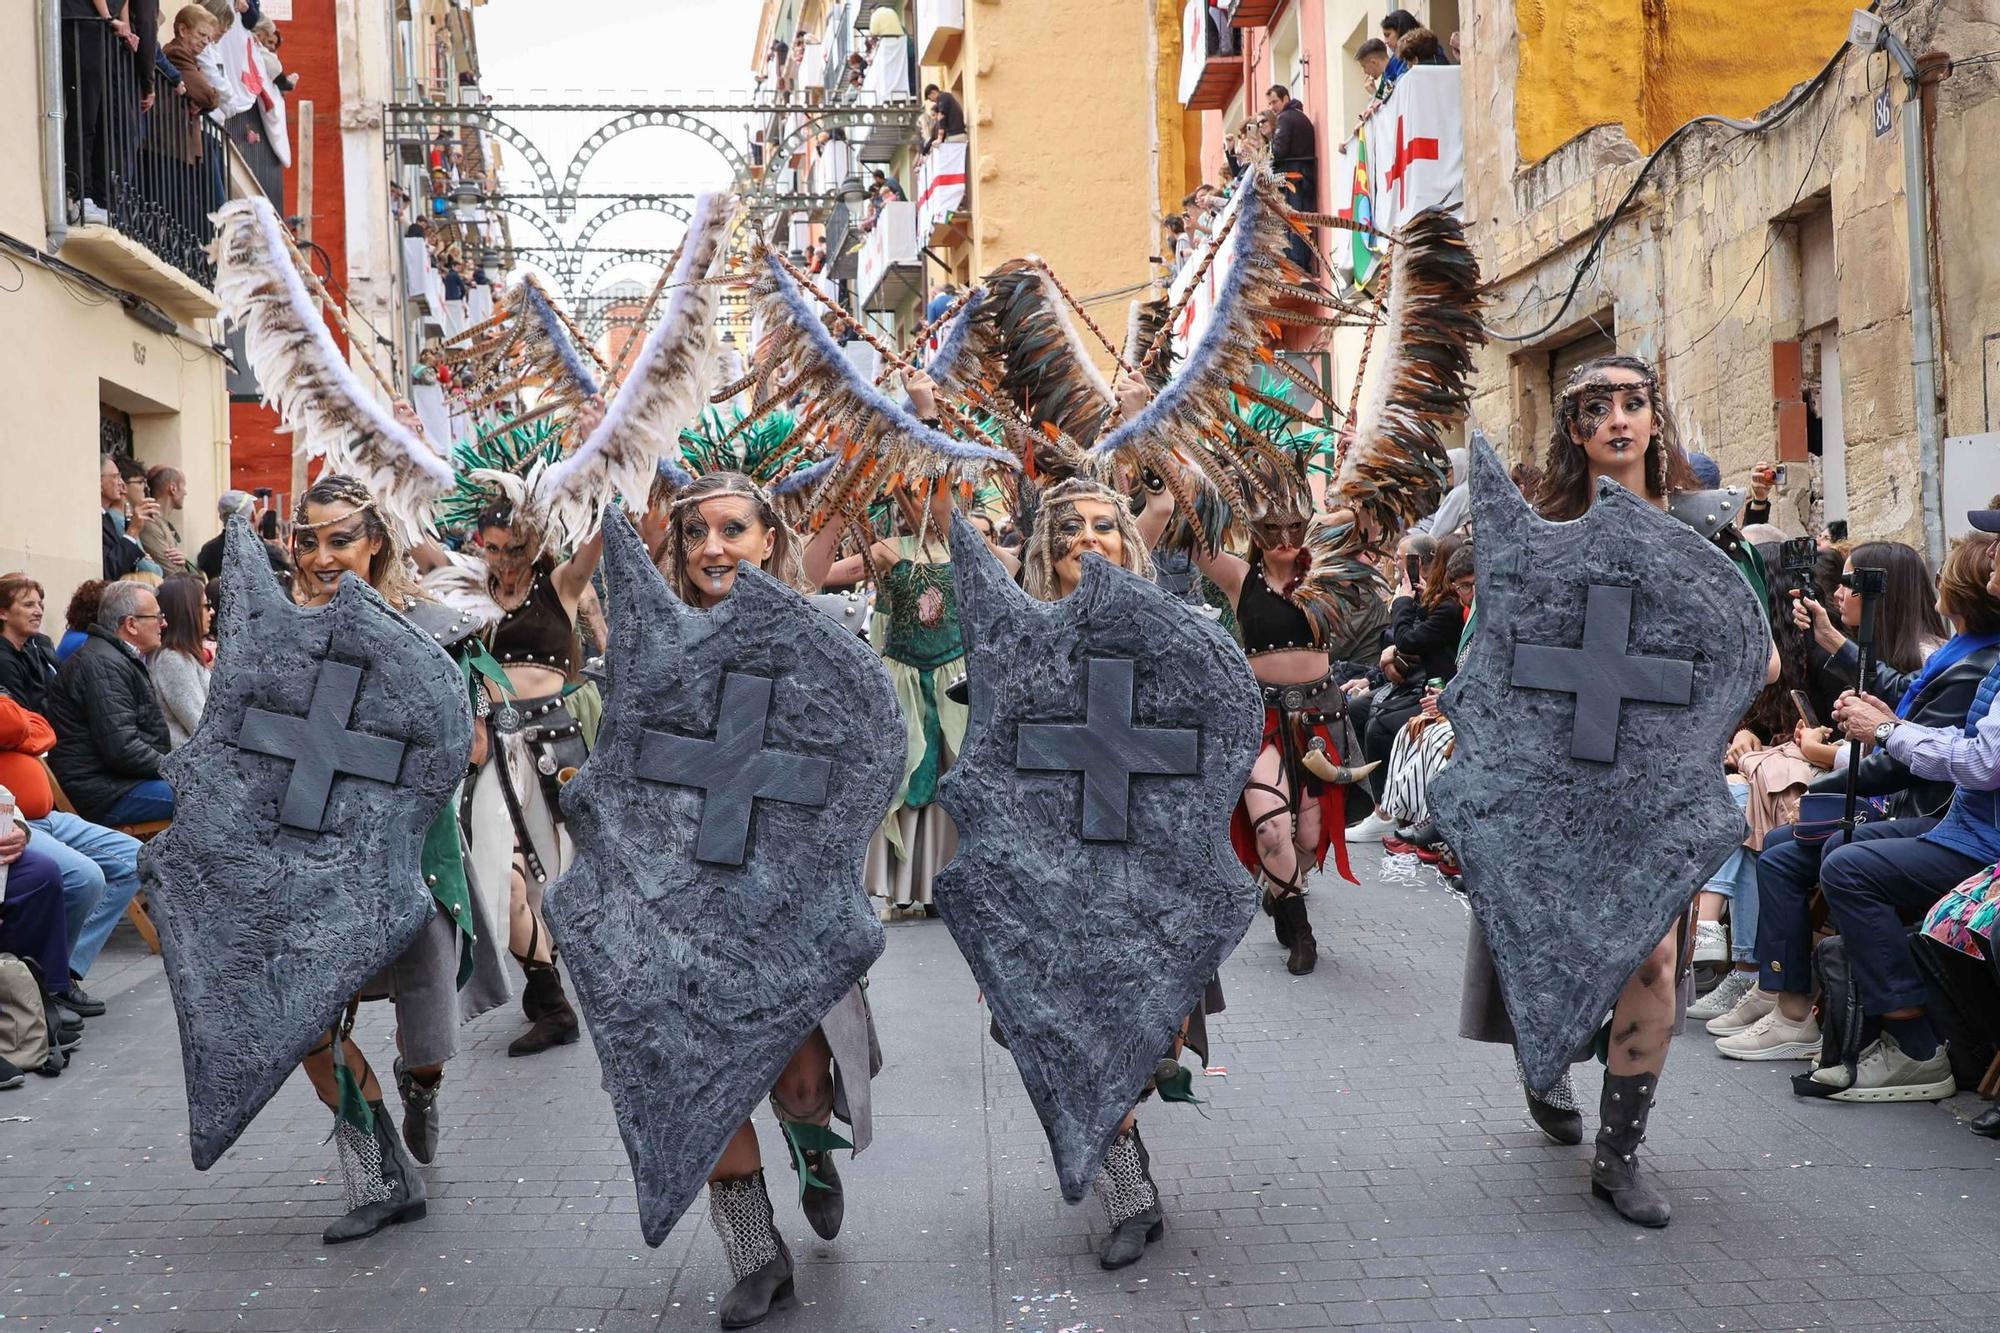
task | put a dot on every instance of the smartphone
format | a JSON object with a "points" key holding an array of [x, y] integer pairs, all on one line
{"points": [[1797, 557], [1411, 564], [1778, 475], [1804, 705]]}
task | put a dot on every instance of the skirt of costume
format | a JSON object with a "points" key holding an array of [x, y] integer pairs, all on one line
{"points": [[849, 1028], [1482, 1008], [513, 803], [916, 631], [1295, 716], [423, 983]]}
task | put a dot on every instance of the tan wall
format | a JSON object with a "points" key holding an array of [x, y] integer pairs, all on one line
{"points": [[1674, 266], [68, 348], [1060, 110]]}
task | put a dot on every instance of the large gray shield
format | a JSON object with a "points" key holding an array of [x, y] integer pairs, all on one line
{"points": [[715, 910], [1610, 663], [1094, 892], [290, 874]]}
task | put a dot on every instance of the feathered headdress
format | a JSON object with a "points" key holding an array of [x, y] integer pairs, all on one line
{"points": [[303, 375], [516, 450], [662, 394]]}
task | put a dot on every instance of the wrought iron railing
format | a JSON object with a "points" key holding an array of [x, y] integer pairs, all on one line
{"points": [[155, 172]]}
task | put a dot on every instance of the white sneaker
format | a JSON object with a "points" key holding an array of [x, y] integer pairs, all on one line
{"points": [[1883, 1073], [1711, 942], [1372, 829], [1723, 998], [1755, 1003], [1773, 1037], [93, 216]]}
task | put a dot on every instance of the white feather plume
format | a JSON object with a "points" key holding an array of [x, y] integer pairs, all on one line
{"points": [[663, 394], [304, 377]]}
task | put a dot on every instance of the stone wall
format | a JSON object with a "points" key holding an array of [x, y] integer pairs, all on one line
{"points": [[1705, 271]]}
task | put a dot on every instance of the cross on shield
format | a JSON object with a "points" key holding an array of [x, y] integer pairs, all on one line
{"points": [[1108, 749], [320, 746], [734, 770], [1603, 674]]}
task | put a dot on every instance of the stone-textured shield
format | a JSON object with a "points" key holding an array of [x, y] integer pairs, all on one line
{"points": [[715, 910], [1094, 892], [1610, 663], [290, 874]]}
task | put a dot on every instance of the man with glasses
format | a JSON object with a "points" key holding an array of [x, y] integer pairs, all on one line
{"points": [[110, 733]]}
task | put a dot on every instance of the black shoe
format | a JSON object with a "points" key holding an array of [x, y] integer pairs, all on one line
{"points": [[77, 1000], [10, 1077], [740, 1211], [420, 1117], [556, 1022], [1987, 1123], [1563, 1125], [383, 1184], [1424, 833], [823, 1208], [1280, 923], [1304, 948]]}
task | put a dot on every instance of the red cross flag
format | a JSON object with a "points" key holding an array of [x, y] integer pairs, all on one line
{"points": [[1416, 147]]}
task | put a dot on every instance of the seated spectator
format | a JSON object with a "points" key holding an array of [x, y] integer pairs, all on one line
{"points": [[78, 617], [1423, 746], [31, 928], [161, 537], [1904, 638], [27, 658], [1893, 862], [209, 559], [180, 666], [1426, 625], [122, 551], [110, 735], [99, 867], [1455, 510]]}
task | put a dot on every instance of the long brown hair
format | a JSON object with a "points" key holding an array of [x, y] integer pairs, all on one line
{"points": [[182, 602], [787, 562], [1437, 572], [1566, 491]]}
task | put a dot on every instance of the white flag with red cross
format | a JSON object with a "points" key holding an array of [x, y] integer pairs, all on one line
{"points": [[1416, 146]]}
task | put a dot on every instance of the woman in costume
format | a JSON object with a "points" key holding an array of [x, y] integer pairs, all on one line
{"points": [[719, 519], [517, 832], [1611, 422], [1080, 517], [446, 976]]}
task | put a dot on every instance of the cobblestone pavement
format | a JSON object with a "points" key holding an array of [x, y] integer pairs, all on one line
{"points": [[1357, 1165]]}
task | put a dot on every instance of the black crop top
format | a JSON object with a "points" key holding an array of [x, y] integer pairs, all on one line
{"points": [[539, 631], [1269, 622]]}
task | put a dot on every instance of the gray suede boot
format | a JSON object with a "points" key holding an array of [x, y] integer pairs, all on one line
{"points": [[1614, 1169]]}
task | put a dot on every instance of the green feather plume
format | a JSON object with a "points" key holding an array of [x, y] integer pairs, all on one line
{"points": [[516, 449]]}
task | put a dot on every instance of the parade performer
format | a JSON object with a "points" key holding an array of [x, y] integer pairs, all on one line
{"points": [[453, 972], [1612, 426]]}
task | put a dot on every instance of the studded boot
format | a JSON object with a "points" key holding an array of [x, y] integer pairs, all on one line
{"points": [[555, 1024], [1131, 1201], [1614, 1169], [1555, 1110], [383, 1185], [420, 1115], [740, 1211]]}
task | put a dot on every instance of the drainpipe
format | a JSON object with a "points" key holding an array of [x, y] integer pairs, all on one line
{"points": [[1916, 207], [54, 206]]}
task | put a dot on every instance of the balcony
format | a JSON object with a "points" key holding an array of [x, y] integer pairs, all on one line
{"points": [[940, 26], [891, 268], [156, 175], [942, 214], [1207, 81], [1252, 13]]}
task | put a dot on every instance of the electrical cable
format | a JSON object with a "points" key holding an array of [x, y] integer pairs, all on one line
{"points": [[1783, 112]]}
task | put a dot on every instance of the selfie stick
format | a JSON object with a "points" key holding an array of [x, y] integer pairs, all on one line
{"points": [[1868, 585]]}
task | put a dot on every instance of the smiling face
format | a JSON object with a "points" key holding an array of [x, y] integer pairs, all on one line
{"points": [[1084, 526], [23, 616], [716, 534], [1615, 420], [322, 554]]}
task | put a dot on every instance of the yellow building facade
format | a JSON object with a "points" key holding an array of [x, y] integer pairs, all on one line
{"points": [[105, 344]]}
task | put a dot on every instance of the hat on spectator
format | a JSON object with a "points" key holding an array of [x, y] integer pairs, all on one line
{"points": [[1986, 520], [232, 502], [1706, 470]]}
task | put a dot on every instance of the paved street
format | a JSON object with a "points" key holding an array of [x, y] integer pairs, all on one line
{"points": [[1357, 1165]]}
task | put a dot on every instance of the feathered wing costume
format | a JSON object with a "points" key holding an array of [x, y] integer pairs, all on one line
{"points": [[662, 395], [304, 376]]}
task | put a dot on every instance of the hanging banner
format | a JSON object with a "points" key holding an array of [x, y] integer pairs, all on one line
{"points": [[1199, 302], [1416, 147], [940, 186], [1349, 196]]}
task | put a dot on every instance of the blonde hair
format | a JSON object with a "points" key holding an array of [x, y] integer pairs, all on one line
{"points": [[388, 569], [190, 17], [1039, 559], [787, 562]]}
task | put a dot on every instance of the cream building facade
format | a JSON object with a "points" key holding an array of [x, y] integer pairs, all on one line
{"points": [[106, 343], [1767, 273]]}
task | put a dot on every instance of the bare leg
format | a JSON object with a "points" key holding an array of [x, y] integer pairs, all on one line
{"points": [[1642, 1022], [527, 934], [1267, 800], [318, 1065]]}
